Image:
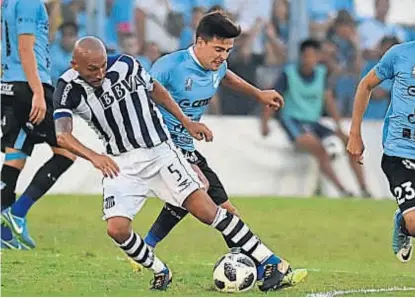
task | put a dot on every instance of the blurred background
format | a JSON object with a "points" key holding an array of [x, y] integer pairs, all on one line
{"points": [[353, 35]]}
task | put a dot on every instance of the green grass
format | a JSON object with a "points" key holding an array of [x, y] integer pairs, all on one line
{"points": [[346, 244]]}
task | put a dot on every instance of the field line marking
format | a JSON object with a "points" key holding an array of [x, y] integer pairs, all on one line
{"points": [[360, 291]]}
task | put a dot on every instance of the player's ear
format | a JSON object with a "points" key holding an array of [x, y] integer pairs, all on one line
{"points": [[200, 41], [74, 65]]}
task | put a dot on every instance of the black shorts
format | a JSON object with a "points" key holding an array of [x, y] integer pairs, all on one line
{"points": [[401, 175], [17, 132], [216, 190]]}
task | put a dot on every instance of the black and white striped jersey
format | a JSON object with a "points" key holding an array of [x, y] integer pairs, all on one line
{"points": [[121, 111]]}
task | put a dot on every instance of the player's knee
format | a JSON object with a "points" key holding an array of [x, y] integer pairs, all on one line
{"points": [[120, 233], [201, 206], [14, 158]]}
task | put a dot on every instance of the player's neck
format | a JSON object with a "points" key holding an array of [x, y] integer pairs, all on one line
{"points": [[196, 56]]}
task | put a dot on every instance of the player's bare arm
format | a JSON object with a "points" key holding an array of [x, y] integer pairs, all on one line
{"points": [[199, 131], [355, 146], [68, 141], [28, 59], [270, 98]]}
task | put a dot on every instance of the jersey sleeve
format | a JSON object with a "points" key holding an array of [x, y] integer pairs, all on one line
{"points": [[148, 80], [26, 12], [66, 99], [160, 71], [385, 68]]}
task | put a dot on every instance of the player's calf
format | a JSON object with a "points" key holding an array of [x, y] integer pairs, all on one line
{"points": [[119, 229], [409, 223]]}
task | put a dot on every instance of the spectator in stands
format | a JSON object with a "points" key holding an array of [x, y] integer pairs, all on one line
{"points": [[321, 17], [305, 91], [380, 99], [276, 34], [74, 11], [371, 31], [344, 37], [188, 33], [61, 52], [119, 20], [207, 5], [55, 18], [162, 21]]}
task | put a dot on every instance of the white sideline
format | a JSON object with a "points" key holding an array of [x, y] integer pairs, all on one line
{"points": [[360, 291]]}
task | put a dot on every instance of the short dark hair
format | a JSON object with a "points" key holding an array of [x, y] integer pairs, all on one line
{"points": [[217, 24], [72, 25], [310, 43]]}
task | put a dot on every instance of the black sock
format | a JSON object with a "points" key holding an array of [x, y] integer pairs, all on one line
{"points": [[46, 176], [168, 218], [9, 176]]}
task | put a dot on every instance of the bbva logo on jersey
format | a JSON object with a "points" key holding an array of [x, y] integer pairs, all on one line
{"points": [[119, 90]]}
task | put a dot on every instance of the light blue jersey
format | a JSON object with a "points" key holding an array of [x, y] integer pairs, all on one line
{"points": [[24, 17], [399, 128], [191, 86]]}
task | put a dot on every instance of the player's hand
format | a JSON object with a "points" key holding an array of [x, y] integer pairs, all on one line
{"points": [[355, 148], [106, 165], [38, 111], [271, 98], [199, 131]]}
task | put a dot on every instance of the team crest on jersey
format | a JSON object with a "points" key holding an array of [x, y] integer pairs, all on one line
{"points": [[188, 83], [215, 80]]}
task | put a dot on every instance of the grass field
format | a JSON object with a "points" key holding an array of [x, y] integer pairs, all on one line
{"points": [[346, 245]]}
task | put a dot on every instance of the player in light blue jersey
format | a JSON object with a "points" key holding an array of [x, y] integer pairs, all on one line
{"points": [[398, 161], [192, 77], [26, 114]]}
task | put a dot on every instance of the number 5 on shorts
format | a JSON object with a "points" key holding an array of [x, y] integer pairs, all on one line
{"points": [[175, 172]]}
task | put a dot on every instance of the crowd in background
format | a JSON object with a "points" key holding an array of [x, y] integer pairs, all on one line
{"points": [[350, 45]]}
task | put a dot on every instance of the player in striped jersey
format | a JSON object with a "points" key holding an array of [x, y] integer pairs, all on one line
{"points": [[116, 96]]}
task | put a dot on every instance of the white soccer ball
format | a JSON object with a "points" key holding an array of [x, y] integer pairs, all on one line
{"points": [[234, 272]]}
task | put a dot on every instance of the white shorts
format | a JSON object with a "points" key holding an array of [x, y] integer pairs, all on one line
{"points": [[161, 169]]}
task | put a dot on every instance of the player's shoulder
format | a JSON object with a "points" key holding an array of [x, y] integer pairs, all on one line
{"points": [[69, 76], [69, 81], [121, 58], [405, 48], [171, 60]]}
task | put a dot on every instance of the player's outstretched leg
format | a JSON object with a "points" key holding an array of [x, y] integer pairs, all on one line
{"points": [[119, 229], [15, 216], [275, 271], [401, 240]]}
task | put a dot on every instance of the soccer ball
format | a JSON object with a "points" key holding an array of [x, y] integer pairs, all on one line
{"points": [[234, 272]]}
